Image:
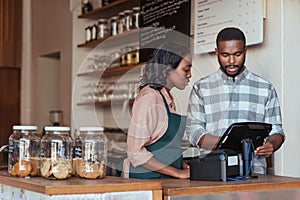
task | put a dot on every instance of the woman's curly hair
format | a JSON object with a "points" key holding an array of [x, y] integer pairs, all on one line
{"points": [[165, 59]]}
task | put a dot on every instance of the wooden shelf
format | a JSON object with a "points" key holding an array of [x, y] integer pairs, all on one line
{"points": [[106, 103], [111, 71], [133, 33], [110, 9]]}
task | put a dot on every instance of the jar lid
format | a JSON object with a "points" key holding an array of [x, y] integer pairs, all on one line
{"points": [[136, 8], [19, 127], [102, 20], [91, 128], [57, 128]]}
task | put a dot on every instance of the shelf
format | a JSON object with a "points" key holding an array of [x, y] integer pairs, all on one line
{"points": [[110, 9], [130, 34], [106, 103], [111, 71]]}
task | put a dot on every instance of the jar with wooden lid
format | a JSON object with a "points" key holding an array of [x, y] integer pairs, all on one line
{"points": [[94, 153], [23, 153], [56, 153]]}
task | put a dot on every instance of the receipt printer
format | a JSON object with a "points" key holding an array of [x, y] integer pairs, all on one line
{"points": [[215, 166]]}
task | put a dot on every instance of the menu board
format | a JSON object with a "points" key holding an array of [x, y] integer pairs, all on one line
{"points": [[163, 20], [213, 15]]}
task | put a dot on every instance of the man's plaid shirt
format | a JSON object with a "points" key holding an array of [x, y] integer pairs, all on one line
{"points": [[216, 101]]}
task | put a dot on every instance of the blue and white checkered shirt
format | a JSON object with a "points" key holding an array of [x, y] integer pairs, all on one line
{"points": [[217, 101]]}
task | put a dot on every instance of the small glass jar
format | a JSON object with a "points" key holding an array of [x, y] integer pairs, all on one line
{"points": [[136, 18], [23, 153], [56, 153], [121, 22], [128, 19], [94, 153], [94, 32], [88, 34], [103, 30], [113, 25]]}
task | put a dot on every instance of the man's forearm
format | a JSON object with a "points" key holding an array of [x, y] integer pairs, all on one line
{"points": [[276, 140]]}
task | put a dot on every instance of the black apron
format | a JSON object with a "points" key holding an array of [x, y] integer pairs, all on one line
{"points": [[167, 149]]}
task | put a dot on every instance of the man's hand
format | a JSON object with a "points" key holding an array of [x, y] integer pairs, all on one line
{"points": [[273, 143], [265, 150]]}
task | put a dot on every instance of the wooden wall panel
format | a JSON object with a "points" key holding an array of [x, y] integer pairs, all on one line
{"points": [[10, 65], [9, 102], [10, 33]]}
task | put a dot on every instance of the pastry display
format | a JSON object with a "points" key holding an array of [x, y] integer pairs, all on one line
{"points": [[56, 169], [91, 170], [25, 168]]}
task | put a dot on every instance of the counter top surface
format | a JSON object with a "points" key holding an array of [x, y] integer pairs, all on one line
{"points": [[76, 185], [179, 187], [170, 186]]}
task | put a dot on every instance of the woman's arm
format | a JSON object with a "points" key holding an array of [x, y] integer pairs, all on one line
{"points": [[155, 165]]}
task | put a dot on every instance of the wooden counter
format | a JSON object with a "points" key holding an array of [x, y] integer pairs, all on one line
{"points": [[76, 185], [283, 188], [264, 187]]}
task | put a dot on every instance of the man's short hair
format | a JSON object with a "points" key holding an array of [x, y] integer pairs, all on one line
{"points": [[230, 33]]}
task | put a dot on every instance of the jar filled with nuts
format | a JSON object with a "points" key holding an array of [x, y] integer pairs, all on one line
{"points": [[56, 153], [94, 153], [23, 156]]}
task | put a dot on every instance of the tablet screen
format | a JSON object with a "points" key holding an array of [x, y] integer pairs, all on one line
{"points": [[233, 136]]}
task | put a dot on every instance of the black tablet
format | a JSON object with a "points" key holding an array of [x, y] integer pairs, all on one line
{"points": [[256, 131]]}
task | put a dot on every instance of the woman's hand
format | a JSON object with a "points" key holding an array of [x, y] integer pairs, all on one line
{"points": [[183, 173]]}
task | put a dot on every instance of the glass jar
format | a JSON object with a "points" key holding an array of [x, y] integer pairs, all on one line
{"points": [[121, 22], [88, 34], [56, 153], [136, 18], [113, 25], [94, 153], [23, 156], [128, 19], [103, 30]]}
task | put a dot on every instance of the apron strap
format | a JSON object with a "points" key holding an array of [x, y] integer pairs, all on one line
{"points": [[165, 102]]}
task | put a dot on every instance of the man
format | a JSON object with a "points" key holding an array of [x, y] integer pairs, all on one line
{"points": [[233, 94]]}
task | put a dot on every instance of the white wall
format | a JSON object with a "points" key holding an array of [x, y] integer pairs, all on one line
{"points": [[47, 29], [290, 90]]}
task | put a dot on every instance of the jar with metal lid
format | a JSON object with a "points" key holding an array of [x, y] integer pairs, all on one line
{"points": [[94, 153], [103, 30], [56, 153], [128, 19], [136, 17], [23, 153], [121, 22], [113, 25]]}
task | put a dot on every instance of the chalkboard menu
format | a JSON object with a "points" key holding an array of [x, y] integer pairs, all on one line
{"points": [[163, 20]]}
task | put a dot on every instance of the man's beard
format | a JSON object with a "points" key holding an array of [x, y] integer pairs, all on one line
{"points": [[240, 68]]}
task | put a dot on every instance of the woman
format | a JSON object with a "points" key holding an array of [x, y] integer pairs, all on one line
{"points": [[155, 131]]}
